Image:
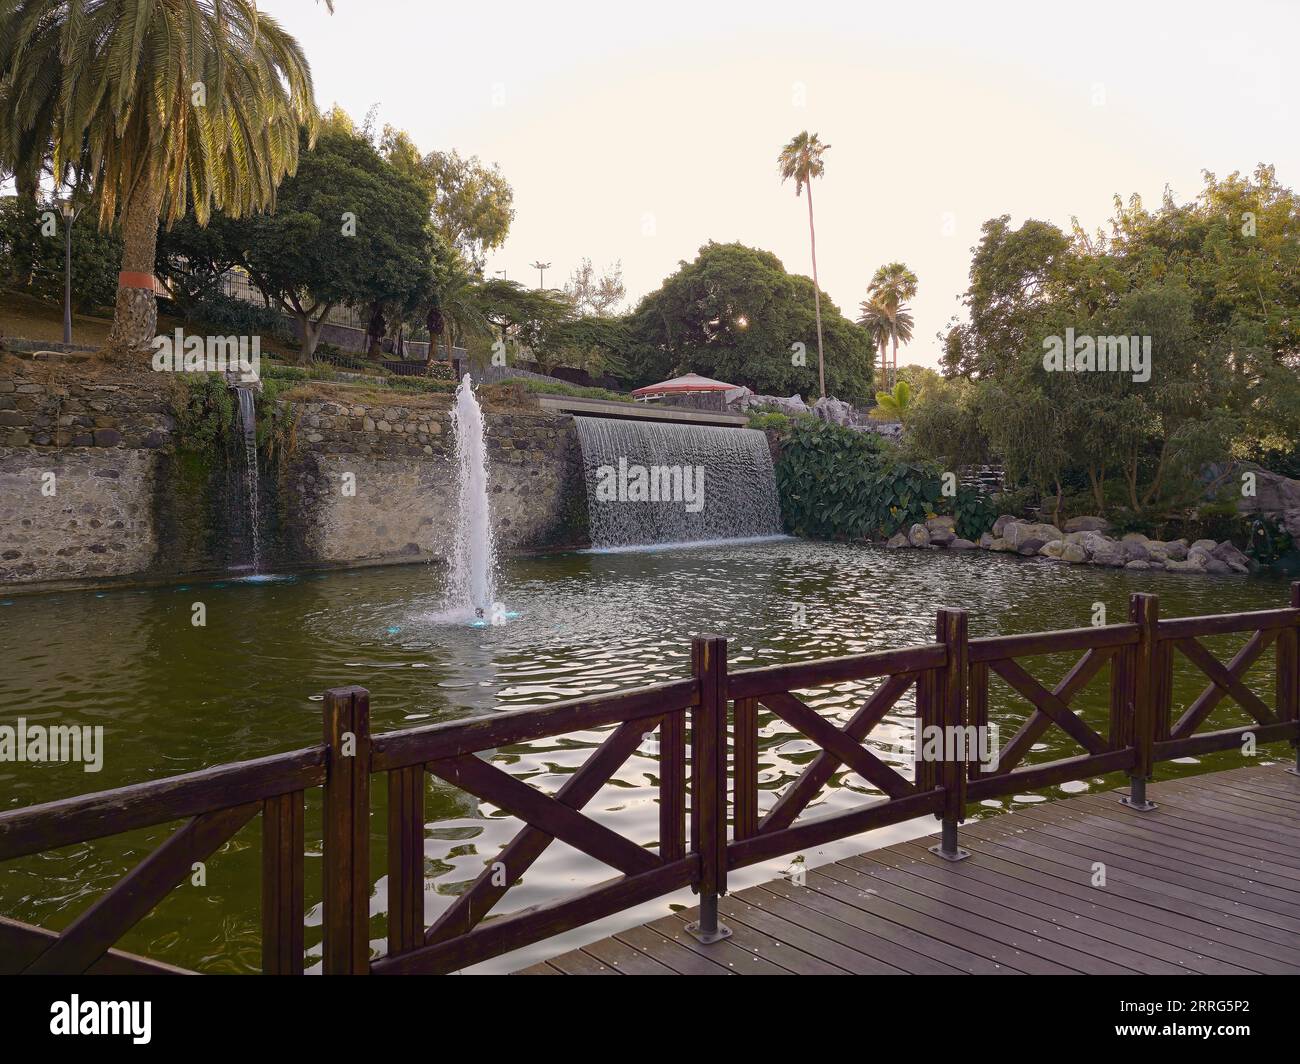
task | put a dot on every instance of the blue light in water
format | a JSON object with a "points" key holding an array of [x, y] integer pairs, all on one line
{"points": [[393, 631], [9, 603], [480, 623]]}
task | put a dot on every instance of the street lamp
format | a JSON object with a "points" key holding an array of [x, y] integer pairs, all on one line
{"points": [[69, 212], [541, 267]]}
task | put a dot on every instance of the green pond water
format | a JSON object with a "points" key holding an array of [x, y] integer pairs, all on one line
{"points": [[173, 697]]}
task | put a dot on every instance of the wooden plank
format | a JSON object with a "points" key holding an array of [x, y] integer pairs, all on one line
{"points": [[405, 858], [1222, 681], [734, 958], [1226, 623], [93, 816], [1032, 777], [345, 873], [435, 742], [626, 959], [671, 954], [672, 786], [775, 951], [578, 963], [1000, 647], [754, 683], [283, 903], [136, 894], [744, 768], [519, 854], [20, 944], [1046, 702], [709, 763], [740, 913], [538, 969]]}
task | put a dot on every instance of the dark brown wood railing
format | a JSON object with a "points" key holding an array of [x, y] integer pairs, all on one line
{"points": [[691, 719]]}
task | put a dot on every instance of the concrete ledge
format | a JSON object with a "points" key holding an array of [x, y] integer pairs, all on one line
{"points": [[565, 404]]}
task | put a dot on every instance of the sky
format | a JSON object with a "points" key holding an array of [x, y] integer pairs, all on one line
{"points": [[637, 133]]}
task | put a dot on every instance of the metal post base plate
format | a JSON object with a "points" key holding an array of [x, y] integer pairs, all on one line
{"points": [[951, 855], [706, 937], [1141, 807]]}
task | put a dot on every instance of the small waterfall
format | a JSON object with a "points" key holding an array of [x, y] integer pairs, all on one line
{"points": [[654, 482], [248, 425], [471, 589]]}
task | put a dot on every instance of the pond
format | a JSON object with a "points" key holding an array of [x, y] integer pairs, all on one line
{"points": [[174, 697]]}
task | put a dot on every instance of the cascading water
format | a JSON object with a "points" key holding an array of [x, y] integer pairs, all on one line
{"points": [[654, 483], [248, 424], [471, 587]]}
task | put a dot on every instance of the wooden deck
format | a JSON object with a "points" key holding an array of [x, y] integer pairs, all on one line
{"points": [[1207, 883]]}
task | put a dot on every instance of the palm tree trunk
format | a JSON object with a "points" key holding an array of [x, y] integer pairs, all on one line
{"points": [[817, 295], [135, 314], [895, 355]]}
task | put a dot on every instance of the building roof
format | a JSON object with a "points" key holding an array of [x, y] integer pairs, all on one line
{"points": [[691, 382]]}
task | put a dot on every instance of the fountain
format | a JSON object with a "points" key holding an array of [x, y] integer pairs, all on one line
{"points": [[656, 483], [471, 585], [248, 425]]}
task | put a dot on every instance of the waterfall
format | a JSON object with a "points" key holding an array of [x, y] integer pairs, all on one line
{"points": [[248, 424], [471, 587], [654, 482]]}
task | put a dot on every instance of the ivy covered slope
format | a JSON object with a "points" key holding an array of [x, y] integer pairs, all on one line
{"points": [[836, 483]]}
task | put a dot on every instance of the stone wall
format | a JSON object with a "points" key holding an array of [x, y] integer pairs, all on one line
{"points": [[363, 482]]}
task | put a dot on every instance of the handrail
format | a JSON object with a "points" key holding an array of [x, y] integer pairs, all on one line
{"points": [[719, 711]]}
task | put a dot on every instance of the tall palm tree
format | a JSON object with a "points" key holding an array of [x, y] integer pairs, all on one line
{"points": [[176, 104], [801, 160], [452, 310], [892, 285], [879, 325]]}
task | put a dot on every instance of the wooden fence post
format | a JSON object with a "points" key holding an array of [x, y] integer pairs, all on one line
{"points": [[950, 715], [709, 783], [1144, 684], [1288, 676], [346, 873]]}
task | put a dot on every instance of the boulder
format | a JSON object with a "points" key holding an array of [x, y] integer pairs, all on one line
{"points": [[986, 540], [1194, 563], [1207, 545], [1001, 544], [999, 526], [1074, 552], [918, 536], [1219, 568], [942, 537], [1030, 547], [1109, 554], [1018, 532], [1086, 524], [1135, 551], [1137, 566], [1176, 550], [1052, 550], [1134, 537], [835, 411], [937, 523], [1228, 553], [961, 544], [897, 540]]}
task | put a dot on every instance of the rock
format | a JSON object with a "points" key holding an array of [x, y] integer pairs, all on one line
{"points": [[1030, 547], [937, 523], [1176, 550], [1156, 552], [961, 544], [897, 540], [835, 411], [1001, 544], [107, 437], [918, 536], [1227, 552], [1219, 568], [986, 540], [1074, 552], [1052, 550], [1086, 524], [1108, 554], [1018, 532], [941, 537], [1206, 545], [1194, 563], [1134, 537], [999, 526], [1137, 566], [1134, 551], [1238, 567]]}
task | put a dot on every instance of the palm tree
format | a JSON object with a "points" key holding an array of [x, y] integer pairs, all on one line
{"points": [[452, 309], [879, 325], [893, 405], [892, 285], [801, 159], [176, 105]]}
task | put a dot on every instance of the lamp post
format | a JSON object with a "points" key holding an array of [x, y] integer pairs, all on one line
{"points": [[69, 213], [541, 268]]}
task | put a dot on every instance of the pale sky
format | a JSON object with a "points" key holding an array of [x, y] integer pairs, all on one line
{"points": [[638, 133]]}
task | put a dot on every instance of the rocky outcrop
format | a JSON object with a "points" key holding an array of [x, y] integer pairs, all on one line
{"points": [[1082, 542]]}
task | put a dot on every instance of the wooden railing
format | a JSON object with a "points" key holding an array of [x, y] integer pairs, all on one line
{"points": [[689, 718]]}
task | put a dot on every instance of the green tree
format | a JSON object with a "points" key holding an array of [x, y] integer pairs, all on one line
{"points": [[801, 161], [734, 313], [179, 105], [893, 405], [890, 288], [472, 204]]}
